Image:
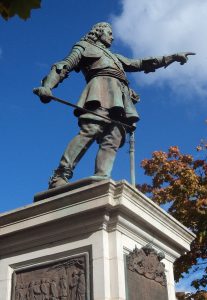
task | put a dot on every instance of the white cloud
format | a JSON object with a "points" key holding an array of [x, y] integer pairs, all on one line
{"points": [[157, 27]]}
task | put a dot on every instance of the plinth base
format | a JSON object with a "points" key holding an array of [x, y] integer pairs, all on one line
{"points": [[74, 244], [64, 188]]}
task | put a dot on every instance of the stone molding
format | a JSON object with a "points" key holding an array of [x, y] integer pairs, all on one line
{"points": [[107, 205]]}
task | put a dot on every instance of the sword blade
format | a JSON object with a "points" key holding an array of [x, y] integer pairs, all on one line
{"points": [[91, 112]]}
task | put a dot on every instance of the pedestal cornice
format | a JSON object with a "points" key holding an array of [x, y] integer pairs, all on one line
{"points": [[106, 205]]}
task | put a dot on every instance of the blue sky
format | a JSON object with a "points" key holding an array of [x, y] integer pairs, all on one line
{"points": [[34, 135]]}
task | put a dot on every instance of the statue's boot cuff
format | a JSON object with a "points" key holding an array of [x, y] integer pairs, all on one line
{"points": [[60, 177]]}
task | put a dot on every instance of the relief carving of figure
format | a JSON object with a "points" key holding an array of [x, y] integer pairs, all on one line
{"points": [[77, 286], [53, 290], [81, 289], [63, 288], [37, 291], [19, 292], [44, 287], [73, 285], [30, 292]]}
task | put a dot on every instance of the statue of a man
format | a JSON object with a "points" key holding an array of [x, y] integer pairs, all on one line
{"points": [[107, 93]]}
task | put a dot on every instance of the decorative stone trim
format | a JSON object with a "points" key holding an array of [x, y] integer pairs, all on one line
{"points": [[147, 262]]}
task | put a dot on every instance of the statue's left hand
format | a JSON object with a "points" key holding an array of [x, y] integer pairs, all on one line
{"points": [[182, 57]]}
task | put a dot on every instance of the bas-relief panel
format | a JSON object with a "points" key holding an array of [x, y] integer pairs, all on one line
{"points": [[63, 280], [145, 275]]}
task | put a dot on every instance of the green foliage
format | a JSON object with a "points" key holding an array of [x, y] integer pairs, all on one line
{"points": [[22, 8], [181, 181]]}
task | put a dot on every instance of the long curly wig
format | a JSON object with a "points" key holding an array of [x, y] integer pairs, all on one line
{"points": [[95, 33]]}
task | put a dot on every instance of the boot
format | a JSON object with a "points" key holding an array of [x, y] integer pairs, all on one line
{"points": [[60, 177], [56, 181], [104, 163]]}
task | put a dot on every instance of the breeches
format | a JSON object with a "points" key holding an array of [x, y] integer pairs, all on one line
{"points": [[108, 136]]}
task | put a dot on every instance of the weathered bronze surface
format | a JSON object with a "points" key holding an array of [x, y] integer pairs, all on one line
{"points": [[145, 275], [107, 94], [65, 280]]}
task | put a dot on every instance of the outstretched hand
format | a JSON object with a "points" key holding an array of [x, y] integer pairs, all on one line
{"points": [[182, 57]]}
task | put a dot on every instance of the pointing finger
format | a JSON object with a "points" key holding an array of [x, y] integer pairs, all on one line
{"points": [[190, 53]]}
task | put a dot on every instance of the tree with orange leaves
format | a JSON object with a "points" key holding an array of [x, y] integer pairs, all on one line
{"points": [[181, 181]]}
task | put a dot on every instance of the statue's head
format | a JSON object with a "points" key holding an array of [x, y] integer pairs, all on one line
{"points": [[101, 32]]}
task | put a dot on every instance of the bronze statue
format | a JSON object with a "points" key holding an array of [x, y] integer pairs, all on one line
{"points": [[107, 93]]}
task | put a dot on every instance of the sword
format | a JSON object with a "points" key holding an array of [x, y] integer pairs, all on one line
{"points": [[90, 111]]}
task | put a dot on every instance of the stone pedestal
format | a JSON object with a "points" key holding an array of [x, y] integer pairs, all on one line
{"points": [[73, 244]]}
